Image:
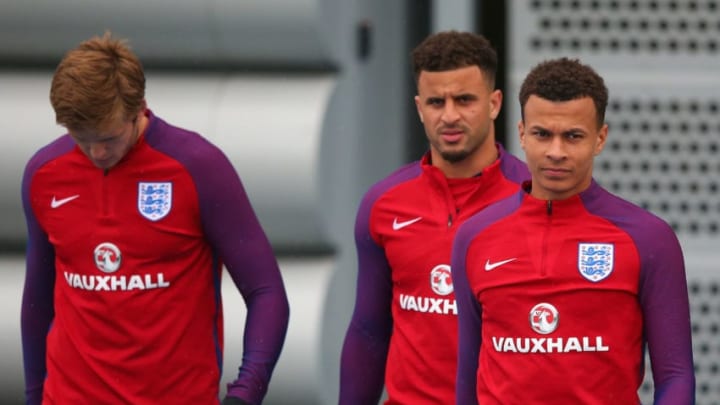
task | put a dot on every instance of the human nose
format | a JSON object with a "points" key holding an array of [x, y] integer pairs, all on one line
{"points": [[450, 113], [556, 148]]}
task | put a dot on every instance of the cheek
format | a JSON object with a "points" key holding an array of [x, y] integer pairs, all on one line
{"points": [[531, 155], [429, 118], [477, 118], [590, 156], [535, 154]]}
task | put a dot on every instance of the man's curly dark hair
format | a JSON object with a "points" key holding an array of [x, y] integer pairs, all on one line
{"points": [[565, 79], [449, 50]]}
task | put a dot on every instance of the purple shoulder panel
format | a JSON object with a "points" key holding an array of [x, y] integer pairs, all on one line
{"points": [[401, 175], [487, 216], [654, 239], [56, 148], [224, 204], [469, 311]]}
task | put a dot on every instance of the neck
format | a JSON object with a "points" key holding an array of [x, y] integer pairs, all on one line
{"points": [[468, 167]]}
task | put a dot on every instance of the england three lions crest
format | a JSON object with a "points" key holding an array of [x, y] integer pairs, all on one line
{"points": [[154, 200], [595, 260]]}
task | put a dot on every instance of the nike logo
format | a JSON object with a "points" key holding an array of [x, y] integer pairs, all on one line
{"points": [[56, 203], [491, 266], [400, 225]]}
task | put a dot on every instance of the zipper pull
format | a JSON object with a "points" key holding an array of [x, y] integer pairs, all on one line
{"points": [[449, 220]]}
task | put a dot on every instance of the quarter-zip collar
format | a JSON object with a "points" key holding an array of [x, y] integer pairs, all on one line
{"points": [[568, 207]]}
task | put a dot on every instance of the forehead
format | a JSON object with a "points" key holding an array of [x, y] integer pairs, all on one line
{"points": [[542, 112], [114, 129], [469, 78]]}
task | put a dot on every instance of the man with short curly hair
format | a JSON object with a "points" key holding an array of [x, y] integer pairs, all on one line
{"points": [[562, 286], [403, 331]]}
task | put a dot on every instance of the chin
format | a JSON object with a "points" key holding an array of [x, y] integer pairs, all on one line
{"points": [[103, 165], [552, 188], [454, 156]]}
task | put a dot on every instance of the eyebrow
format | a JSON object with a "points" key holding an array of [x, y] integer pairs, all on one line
{"points": [[455, 97], [572, 130]]}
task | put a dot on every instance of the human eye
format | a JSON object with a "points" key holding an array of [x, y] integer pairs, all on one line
{"points": [[574, 135], [465, 99], [435, 101]]}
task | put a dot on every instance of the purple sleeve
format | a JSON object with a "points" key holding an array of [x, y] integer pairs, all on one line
{"points": [[234, 232], [364, 352], [663, 295], [664, 301], [469, 321], [469, 308], [36, 308]]}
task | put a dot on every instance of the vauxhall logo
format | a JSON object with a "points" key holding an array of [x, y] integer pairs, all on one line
{"points": [[108, 260], [440, 284], [544, 320]]}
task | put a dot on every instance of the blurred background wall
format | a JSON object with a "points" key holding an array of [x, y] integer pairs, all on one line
{"points": [[312, 102]]}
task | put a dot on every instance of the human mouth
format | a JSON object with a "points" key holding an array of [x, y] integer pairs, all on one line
{"points": [[451, 136], [555, 172]]}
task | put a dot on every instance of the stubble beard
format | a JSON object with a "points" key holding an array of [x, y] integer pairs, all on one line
{"points": [[455, 156], [450, 153], [458, 155]]}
